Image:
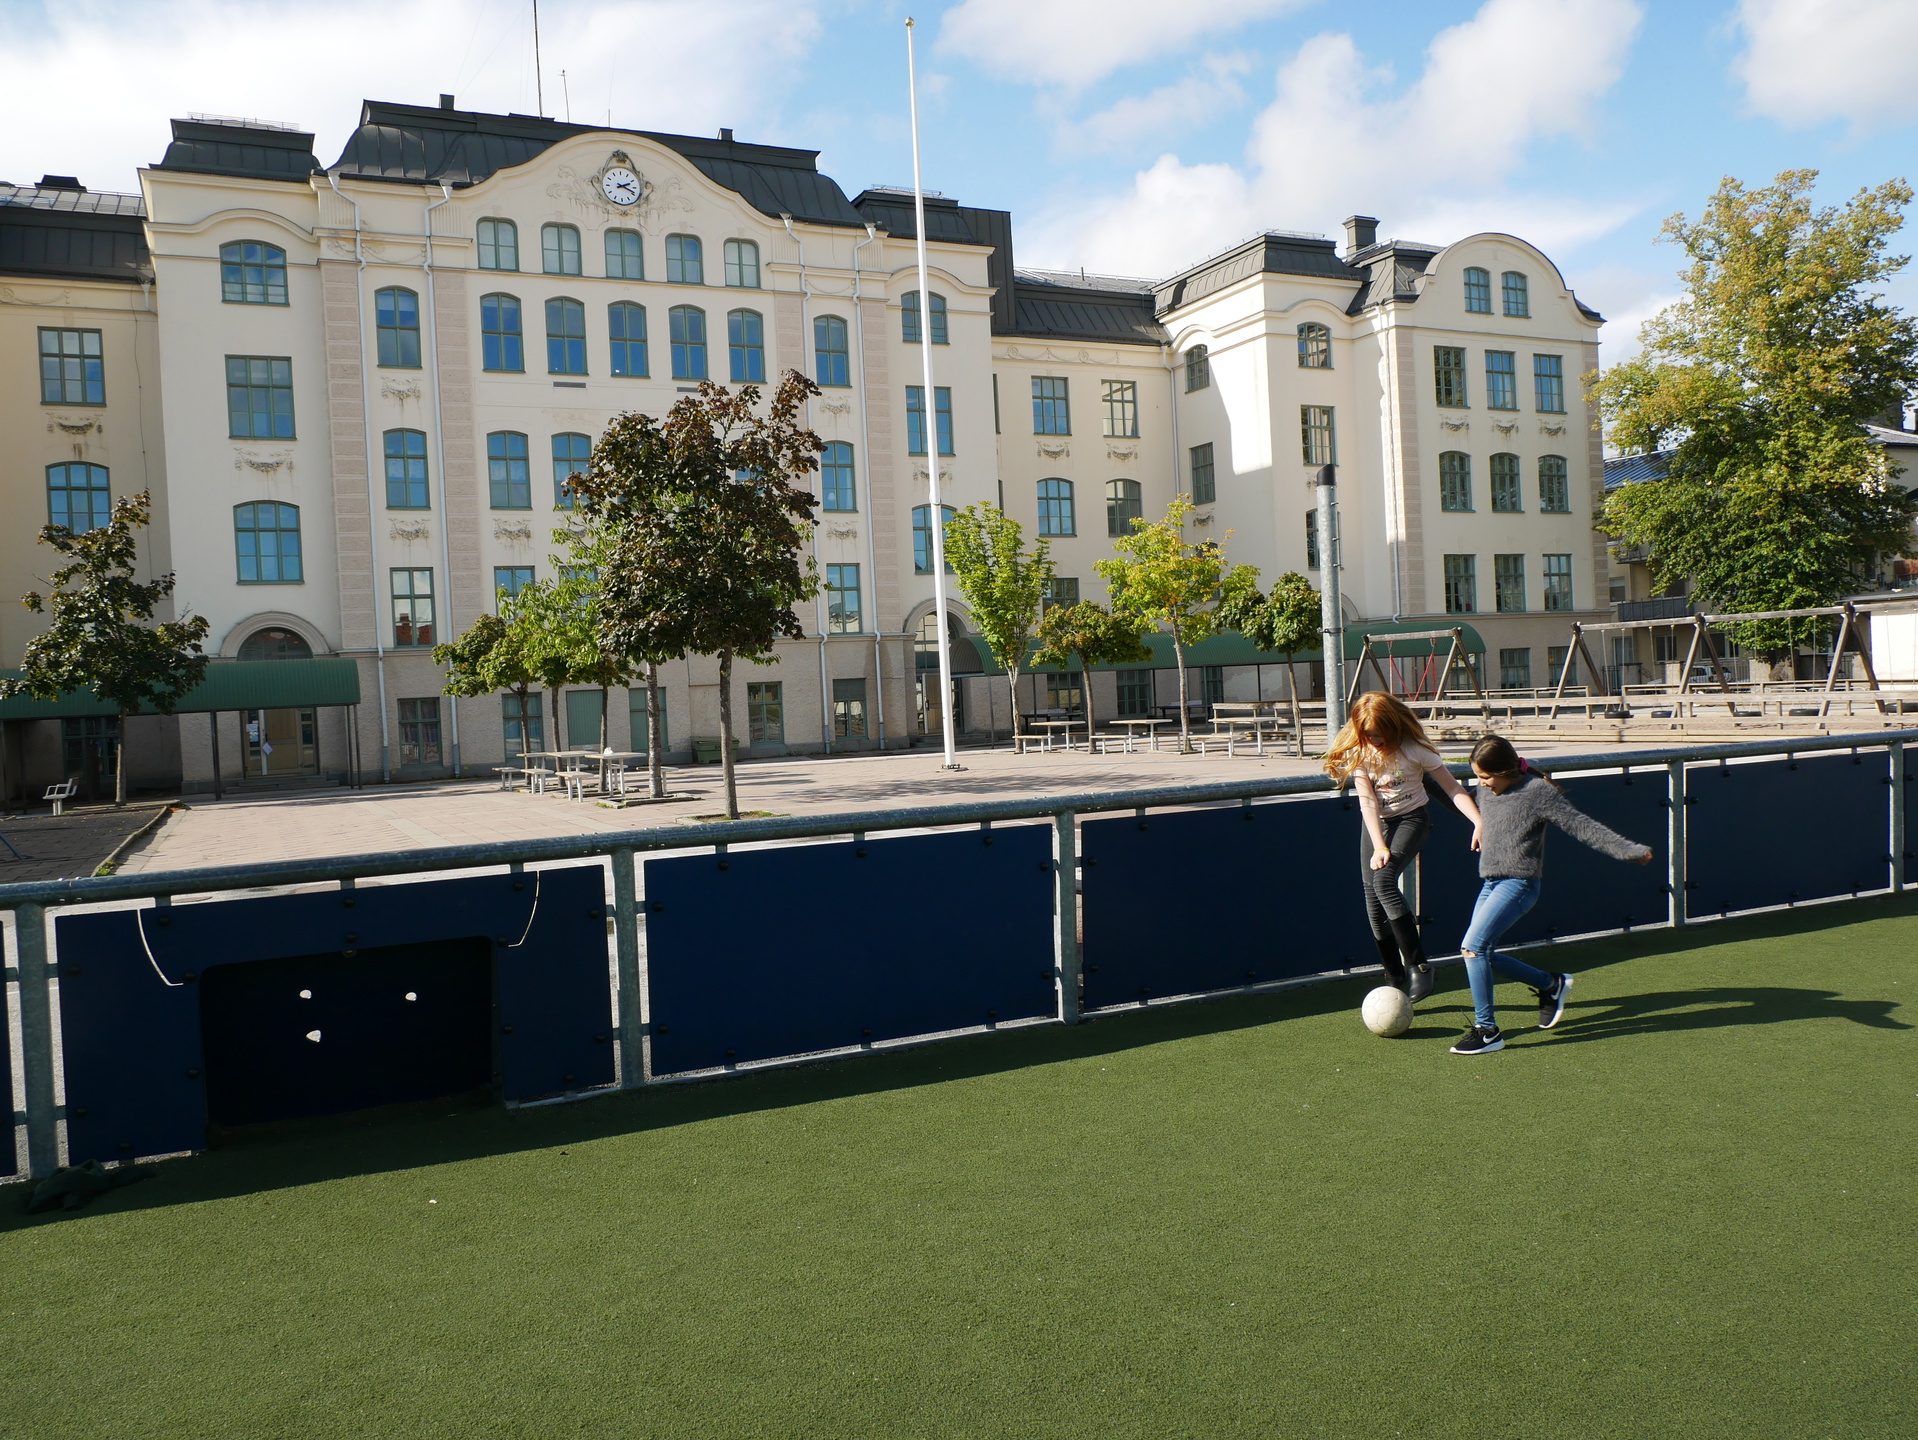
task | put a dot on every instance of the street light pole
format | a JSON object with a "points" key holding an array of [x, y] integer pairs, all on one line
{"points": [[1331, 622]]}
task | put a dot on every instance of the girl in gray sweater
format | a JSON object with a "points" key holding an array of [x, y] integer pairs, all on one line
{"points": [[1515, 805]]}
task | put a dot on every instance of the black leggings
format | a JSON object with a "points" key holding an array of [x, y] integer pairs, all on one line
{"points": [[1404, 835]]}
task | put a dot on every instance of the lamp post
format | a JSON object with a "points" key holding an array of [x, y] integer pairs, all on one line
{"points": [[1331, 624]]}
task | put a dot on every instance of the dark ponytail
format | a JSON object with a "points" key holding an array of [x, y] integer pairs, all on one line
{"points": [[1495, 756]]}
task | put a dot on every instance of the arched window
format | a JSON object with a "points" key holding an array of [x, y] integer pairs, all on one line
{"points": [[498, 245], [565, 337], [685, 261], [396, 319], [406, 470], [1516, 292], [746, 345], [570, 456], [275, 645], [559, 249], [1198, 368], [502, 346], [1125, 502], [626, 327], [688, 326], [832, 360], [1315, 346], [1455, 480], [1055, 508], [1554, 486], [1508, 490], [909, 317], [252, 273], [625, 260], [836, 491], [508, 472], [267, 536], [1478, 290], [742, 264], [77, 496], [922, 537]]}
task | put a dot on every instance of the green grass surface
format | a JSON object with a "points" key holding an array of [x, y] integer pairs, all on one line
{"points": [[1688, 1212]]}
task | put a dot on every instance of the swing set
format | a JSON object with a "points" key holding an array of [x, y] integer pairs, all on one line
{"points": [[1424, 682]]}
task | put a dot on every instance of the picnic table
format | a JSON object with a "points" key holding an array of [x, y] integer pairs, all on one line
{"points": [[1132, 729], [1055, 734]]}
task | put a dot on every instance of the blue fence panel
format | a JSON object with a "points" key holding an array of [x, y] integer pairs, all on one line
{"points": [[758, 954], [1186, 901], [1584, 891], [133, 1042], [1781, 830]]}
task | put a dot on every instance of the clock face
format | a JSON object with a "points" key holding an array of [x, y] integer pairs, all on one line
{"points": [[621, 186]]}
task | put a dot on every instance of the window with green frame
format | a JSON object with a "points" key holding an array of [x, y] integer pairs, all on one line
{"points": [[1198, 368], [1125, 502], [1548, 383], [687, 324], [922, 538], [1448, 375], [837, 490], [844, 607], [832, 355], [1315, 346], [1554, 486], [1501, 380], [1204, 486], [559, 249], [625, 256], [1461, 584], [685, 260], [1508, 489], [412, 608], [509, 580], [406, 484], [1558, 582], [1065, 690], [509, 470], [1455, 480], [1515, 668], [1122, 409], [1135, 692], [1051, 407], [1478, 291], [1317, 439], [72, 367], [765, 713], [636, 714], [252, 273], [916, 418], [259, 397], [849, 709], [1056, 515], [396, 323], [524, 723], [1517, 294], [78, 496], [498, 245], [266, 535], [746, 346], [1508, 583], [502, 345], [1058, 590], [909, 318], [626, 332], [571, 455], [742, 264], [565, 337]]}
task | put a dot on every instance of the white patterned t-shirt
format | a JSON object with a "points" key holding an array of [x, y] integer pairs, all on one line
{"points": [[1399, 777]]}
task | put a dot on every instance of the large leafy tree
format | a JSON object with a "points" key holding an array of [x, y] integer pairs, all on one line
{"points": [[1092, 634], [1759, 381], [103, 638], [702, 531], [1003, 582], [1158, 579], [1282, 622]]}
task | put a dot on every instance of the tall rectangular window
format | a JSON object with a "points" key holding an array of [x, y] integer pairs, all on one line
{"points": [[844, 609], [1518, 300], [909, 318], [746, 346], [1558, 582], [412, 608], [559, 249], [1515, 669], [1508, 580], [1312, 539], [502, 345], [1455, 480], [509, 580], [832, 352], [765, 713], [625, 257], [1478, 291], [72, 370], [685, 261], [1317, 441], [524, 722], [1508, 491], [1198, 368], [916, 418], [420, 732], [396, 322], [1057, 514], [1211, 684], [78, 496], [1122, 409], [259, 397], [1548, 383], [626, 332], [1135, 692], [267, 537], [1448, 375], [1051, 412], [406, 470], [572, 455], [688, 327], [742, 264], [1501, 381], [849, 709], [498, 245], [509, 470], [1066, 690], [837, 491], [1059, 590], [1554, 487], [1461, 584], [565, 337], [1204, 488]]}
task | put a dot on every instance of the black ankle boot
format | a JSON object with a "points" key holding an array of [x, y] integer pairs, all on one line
{"points": [[1405, 938], [1389, 957]]}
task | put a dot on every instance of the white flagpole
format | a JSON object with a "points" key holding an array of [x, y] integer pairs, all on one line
{"points": [[930, 417]]}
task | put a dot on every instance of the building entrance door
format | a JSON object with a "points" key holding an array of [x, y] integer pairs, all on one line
{"points": [[280, 742]]}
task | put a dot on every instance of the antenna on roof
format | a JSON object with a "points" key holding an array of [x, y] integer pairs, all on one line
{"points": [[539, 85], [566, 91]]}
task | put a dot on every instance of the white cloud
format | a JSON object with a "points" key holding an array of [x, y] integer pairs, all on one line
{"points": [[1435, 159], [1811, 60], [1072, 43], [139, 64], [1196, 100], [1627, 297]]}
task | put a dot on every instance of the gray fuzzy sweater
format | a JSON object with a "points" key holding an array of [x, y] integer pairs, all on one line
{"points": [[1512, 846]]}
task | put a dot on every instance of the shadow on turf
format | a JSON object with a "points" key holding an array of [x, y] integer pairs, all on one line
{"points": [[412, 1136]]}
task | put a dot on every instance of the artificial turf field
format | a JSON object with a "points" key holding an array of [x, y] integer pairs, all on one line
{"points": [[1688, 1212]]}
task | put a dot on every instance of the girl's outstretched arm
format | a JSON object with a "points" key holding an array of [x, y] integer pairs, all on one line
{"points": [[1587, 831], [1369, 809], [1461, 798]]}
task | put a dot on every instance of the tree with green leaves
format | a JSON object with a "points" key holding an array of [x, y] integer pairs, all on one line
{"points": [[703, 531], [1280, 623], [489, 657], [1004, 584], [103, 638], [1159, 579], [1760, 382], [1093, 634]]}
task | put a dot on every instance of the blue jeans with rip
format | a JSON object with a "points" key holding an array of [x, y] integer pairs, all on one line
{"points": [[1500, 904]]}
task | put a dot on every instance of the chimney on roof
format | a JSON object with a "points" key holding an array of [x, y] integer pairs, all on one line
{"points": [[727, 136], [1360, 231], [61, 182], [446, 102]]}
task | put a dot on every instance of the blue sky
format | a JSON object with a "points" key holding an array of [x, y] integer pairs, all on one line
{"points": [[1127, 136]]}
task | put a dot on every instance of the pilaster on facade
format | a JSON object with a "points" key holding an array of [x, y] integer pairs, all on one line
{"points": [[355, 539]]}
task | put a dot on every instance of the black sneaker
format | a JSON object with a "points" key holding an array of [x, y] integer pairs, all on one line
{"points": [[1480, 1041], [1420, 981], [1551, 1003]]}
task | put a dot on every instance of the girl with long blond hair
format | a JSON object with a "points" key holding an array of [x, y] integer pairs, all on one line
{"points": [[1386, 755]]}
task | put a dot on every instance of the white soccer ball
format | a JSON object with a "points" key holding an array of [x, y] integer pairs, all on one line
{"points": [[1387, 1011]]}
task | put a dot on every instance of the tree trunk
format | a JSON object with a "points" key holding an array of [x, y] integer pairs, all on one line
{"points": [[602, 718], [1298, 725], [655, 762], [120, 758], [1085, 689], [726, 733], [559, 740], [1185, 718], [1012, 671]]}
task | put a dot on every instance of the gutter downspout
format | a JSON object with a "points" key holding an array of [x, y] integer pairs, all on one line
{"points": [[819, 597], [865, 446], [372, 510], [439, 450]]}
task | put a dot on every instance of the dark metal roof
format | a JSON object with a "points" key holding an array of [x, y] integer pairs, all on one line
{"points": [[1078, 311], [1392, 270], [1629, 469], [251, 150], [72, 235], [892, 211], [1276, 252]]}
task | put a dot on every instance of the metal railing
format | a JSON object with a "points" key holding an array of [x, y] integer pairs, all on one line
{"points": [[29, 901]]}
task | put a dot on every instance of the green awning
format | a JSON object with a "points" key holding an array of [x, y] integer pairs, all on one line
{"points": [[229, 685], [1229, 647]]}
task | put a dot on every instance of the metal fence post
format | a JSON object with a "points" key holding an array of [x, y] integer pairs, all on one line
{"points": [[1065, 904], [1675, 869], [36, 1039], [1897, 817], [632, 1057]]}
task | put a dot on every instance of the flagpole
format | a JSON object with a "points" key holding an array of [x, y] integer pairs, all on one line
{"points": [[929, 416]]}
